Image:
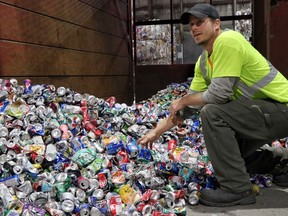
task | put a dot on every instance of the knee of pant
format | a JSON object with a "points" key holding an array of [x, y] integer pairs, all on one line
{"points": [[209, 110]]}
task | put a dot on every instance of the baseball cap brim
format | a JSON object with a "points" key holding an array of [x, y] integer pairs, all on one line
{"points": [[185, 17]]}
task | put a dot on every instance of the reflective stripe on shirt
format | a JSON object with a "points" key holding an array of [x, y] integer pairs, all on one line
{"points": [[248, 91]]}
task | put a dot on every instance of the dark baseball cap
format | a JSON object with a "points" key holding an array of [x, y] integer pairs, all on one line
{"points": [[200, 11]]}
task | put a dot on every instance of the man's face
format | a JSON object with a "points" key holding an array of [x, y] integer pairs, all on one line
{"points": [[202, 30]]}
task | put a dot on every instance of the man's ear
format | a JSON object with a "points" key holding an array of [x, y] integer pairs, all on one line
{"points": [[217, 23]]}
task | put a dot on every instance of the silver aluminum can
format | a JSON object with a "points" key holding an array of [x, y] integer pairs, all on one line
{"points": [[67, 206], [171, 196], [39, 159], [17, 169], [136, 213], [155, 195], [77, 97], [67, 196], [158, 206], [193, 198], [99, 194], [85, 211], [4, 132], [52, 205], [92, 100], [98, 146], [61, 91], [95, 212], [80, 194], [167, 203], [11, 154], [94, 183], [51, 152], [56, 133], [3, 95], [61, 177], [3, 158], [72, 190], [25, 187]]}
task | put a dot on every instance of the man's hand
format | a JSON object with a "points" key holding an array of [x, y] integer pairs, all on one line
{"points": [[147, 140], [175, 106]]}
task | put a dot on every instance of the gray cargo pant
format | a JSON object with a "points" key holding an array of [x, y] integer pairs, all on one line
{"points": [[234, 130]]}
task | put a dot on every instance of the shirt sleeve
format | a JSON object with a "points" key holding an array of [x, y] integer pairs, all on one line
{"points": [[220, 90], [198, 82]]}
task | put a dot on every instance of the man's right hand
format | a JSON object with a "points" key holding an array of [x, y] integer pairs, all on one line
{"points": [[147, 140]]}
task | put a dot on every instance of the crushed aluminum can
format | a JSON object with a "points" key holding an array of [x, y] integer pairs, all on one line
{"points": [[94, 167], [132, 149], [80, 195], [56, 134], [98, 193], [122, 157], [114, 147], [167, 203], [95, 212], [83, 182], [28, 208], [83, 209], [193, 186], [36, 158], [193, 198], [27, 86], [115, 205], [156, 205], [67, 206], [67, 196], [4, 132], [144, 209], [172, 145], [17, 169], [51, 152], [172, 167], [11, 181], [6, 196], [118, 178], [61, 91]]}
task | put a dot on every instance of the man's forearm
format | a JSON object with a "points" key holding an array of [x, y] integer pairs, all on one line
{"points": [[192, 100], [164, 125]]}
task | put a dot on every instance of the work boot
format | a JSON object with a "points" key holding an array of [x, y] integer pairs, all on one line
{"points": [[221, 198], [281, 180]]}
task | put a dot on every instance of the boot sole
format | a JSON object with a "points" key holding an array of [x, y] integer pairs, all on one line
{"points": [[245, 201], [281, 184]]}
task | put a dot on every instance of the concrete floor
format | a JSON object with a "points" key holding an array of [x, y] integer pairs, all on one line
{"points": [[270, 201]]}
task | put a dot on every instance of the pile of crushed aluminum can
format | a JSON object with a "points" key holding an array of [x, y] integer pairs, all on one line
{"points": [[153, 44], [65, 153]]}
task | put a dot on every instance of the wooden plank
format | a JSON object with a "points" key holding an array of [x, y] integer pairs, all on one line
{"points": [[79, 13], [116, 8], [27, 60], [19, 25]]}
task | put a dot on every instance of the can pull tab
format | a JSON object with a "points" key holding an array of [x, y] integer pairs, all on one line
{"points": [[264, 114]]}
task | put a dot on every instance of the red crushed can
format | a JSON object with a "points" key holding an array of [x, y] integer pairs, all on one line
{"points": [[145, 209], [172, 144], [115, 205]]}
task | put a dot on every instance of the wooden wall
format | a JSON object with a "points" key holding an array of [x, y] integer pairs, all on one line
{"points": [[279, 35], [80, 44], [152, 78]]}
